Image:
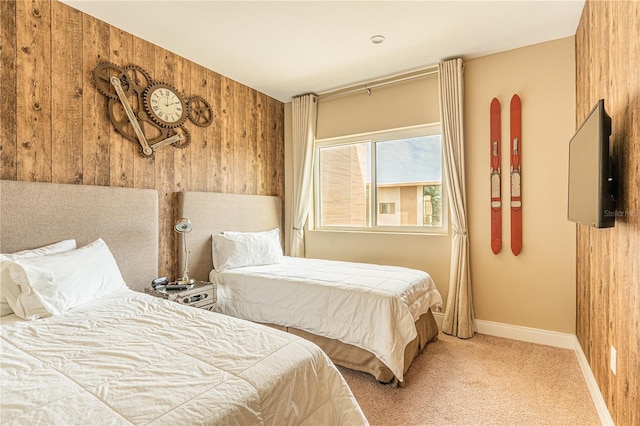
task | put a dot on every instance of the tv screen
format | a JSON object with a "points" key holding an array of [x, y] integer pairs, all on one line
{"points": [[591, 199]]}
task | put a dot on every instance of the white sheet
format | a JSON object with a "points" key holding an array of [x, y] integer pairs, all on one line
{"points": [[130, 358], [373, 307]]}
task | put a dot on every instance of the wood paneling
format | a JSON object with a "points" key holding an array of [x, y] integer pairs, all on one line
{"points": [[214, 134], [144, 170], [121, 150], [33, 97], [608, 260], [66, 101], [8, 151], [198, 150], [227, 133], [55, 124], [95, 129]]}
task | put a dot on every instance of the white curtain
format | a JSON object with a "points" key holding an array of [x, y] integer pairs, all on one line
{"points": [[303, 114], [458, 318]]}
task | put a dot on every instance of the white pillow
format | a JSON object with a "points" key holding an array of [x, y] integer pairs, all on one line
{"points": [[56, 283], [237, 249], [7, 284]]}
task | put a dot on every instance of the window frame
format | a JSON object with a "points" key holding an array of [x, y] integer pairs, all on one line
{"points": [[373, 138]]}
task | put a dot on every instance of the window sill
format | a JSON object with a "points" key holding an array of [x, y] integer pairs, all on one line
{"points": [[429, 233]]}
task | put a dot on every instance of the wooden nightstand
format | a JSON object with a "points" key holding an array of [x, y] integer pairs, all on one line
{"points": [[202, 295]]}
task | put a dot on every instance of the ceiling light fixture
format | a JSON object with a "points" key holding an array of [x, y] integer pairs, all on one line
{"points": [[377, 39]]}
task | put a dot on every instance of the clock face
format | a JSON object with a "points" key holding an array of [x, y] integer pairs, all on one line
{"points": [[165, 106]]}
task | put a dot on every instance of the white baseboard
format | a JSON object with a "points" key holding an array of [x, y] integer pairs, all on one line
{"points": [[516, 332], [596, 395], [527, 334], [549, 338]]}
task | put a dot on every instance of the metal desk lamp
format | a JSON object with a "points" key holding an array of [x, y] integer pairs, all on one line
{"points": [[183, 226]]}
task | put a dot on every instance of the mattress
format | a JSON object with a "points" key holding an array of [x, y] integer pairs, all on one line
{"points": [[130, 358], [373, 307]]}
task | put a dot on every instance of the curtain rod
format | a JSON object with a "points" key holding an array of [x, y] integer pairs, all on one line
{"points": [[377, 83]]}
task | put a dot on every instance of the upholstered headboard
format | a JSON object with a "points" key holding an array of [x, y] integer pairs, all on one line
{"points": [[35, 214], [212, 212]]}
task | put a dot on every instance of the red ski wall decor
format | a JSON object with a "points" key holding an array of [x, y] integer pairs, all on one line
{"points": [[496, 185], [516, 174]]}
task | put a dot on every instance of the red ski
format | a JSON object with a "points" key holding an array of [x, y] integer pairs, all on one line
{"points": [[516, 172], [496, 186]]}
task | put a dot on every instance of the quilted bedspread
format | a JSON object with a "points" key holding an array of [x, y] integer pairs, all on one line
{"points": [[373, 307], [130, 358]]}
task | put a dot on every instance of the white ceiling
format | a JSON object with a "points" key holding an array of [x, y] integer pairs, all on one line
{"points": [[285, 48]]}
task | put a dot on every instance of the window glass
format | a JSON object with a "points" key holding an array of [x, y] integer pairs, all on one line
{"points": [[344, 185], [388, 181], [409, 174]]}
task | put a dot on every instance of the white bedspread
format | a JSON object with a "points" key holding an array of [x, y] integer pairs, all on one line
{"points": [[370, 306], [130, 358]]}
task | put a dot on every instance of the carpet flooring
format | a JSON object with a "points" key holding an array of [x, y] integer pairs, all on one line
{"points": [[484, 380]]}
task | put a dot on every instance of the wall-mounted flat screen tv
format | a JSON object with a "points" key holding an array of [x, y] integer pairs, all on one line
{"points": [[591, 200]]}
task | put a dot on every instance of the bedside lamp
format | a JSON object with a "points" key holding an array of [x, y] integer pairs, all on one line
{"points": [[183, 226]]}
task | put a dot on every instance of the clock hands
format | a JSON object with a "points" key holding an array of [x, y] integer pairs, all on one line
{"points": [[167, 104]]}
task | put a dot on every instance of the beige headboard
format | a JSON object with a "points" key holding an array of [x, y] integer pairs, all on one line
{"points": [[212, 212], [35, 214]]}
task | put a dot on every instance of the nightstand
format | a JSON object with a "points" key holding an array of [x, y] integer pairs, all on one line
{"points": [[202, 295]]}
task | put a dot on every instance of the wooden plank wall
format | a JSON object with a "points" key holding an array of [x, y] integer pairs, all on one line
{"points": [[608, 260], [55, 125]]}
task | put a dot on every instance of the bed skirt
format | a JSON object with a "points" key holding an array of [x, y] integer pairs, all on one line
{"points": [[358, 359]]}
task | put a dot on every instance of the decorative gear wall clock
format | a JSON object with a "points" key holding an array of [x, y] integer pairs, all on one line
{"points": [[148, 112]]}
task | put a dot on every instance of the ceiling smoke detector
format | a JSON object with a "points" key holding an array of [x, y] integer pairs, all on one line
{"points": [[377, 39]]}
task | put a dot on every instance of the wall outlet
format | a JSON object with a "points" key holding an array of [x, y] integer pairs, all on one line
{"points": [[613, 362]]}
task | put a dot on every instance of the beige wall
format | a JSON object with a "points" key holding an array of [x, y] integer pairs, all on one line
{"points": [[409, 103], [537, 288]]}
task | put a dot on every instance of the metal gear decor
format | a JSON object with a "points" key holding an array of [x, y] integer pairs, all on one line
{"points": [[153, 132], [138, 80], [200, 112], [185, 141], [102, 74], [148, 112]]}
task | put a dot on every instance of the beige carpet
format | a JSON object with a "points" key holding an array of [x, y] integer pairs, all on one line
{"points": [[484, 380]]}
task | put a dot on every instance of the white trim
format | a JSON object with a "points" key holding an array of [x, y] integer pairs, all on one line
{"points": [[526, 334], [550, 338], [516, 332], [594, 390]]}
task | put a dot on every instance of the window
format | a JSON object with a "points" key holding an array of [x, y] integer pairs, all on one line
{"points": [[398, 171], [387, 208]]}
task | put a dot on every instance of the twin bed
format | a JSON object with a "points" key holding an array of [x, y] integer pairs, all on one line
{"points": [[369, 318], [113, 354], [126, 357]]}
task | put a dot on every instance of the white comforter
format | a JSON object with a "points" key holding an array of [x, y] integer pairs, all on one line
{"points": [[130, 358], [370, 306]]}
